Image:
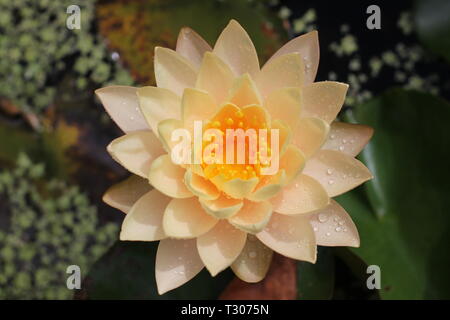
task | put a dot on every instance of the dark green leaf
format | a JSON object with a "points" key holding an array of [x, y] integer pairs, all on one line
{"points": [[433, 25], [127, 271], [408, 236], [316, 281]]}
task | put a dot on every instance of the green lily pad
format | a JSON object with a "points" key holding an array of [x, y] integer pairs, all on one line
{"points": [[405, 224], [127, 271], [433, 25], [316, 281]]}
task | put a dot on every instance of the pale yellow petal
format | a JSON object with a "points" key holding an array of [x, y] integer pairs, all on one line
{"points": [[177, 262], [253, 216], [307, 46], [136, 150], [253, 262], [122, 105], [173, 71], [144, 221], [220, 246], [185, 219], [197, 105], [348, 138], [158, 104], [235, 188], [244, 92], [290, 236], [222, 207], [303, 195], [192, 46], [334, 227], [268, 186], [283, 71], [235, 48], [310, 134], [292, 162], [284, 135], [165, 130], [285, 104], [214, 77], [124, 194], [336, 171], [168, 177], [323, 100], [200, 186]]}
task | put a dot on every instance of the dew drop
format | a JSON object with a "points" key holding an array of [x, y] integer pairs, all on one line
{"points": [[328, 234], [330, 182], [338, 229], [329, 171], [315, 229], [322, 217], [341, 148], [252, 254]]}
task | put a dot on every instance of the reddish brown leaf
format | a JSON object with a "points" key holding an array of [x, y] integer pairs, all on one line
{"points": [[279, 284]]}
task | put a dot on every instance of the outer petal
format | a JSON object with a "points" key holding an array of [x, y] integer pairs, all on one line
{"points": [[348, 138], [223, 207], [172, 71], [283, 71], [168, 178], [323, 99], [235, 47], [158, 104], [220, 246], [197, 105], [177, 262], [285, 104], [244, 92], [253, 262], [121, 103], [334, 227], [192, 46], [292, 162], [303, 195], [135, 151], [310, 135], [253, 216], [336, 171], [124, 194], [307, 46], [291, 236], [214, 77], [185, 218], [200, 186], [144, 221]]}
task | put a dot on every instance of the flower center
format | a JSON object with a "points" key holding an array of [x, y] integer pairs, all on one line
{"points": [[236, 143]]}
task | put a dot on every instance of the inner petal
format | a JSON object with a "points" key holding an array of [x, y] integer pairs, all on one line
{"points": [[236, 142]]}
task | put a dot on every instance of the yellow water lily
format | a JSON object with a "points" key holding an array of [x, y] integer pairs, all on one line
{"points": [[231, 215]]}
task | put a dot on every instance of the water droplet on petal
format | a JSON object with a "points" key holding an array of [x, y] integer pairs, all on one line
{"points": [[323, 217]]}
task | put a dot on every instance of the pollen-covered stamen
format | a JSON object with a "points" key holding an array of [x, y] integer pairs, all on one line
{"points": [[246, 131]]}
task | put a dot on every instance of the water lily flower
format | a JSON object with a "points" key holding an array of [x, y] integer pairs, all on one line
{"points": [[230, 215]]}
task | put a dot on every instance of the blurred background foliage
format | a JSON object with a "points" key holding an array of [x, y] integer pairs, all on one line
{"points": [[53, 135]]}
